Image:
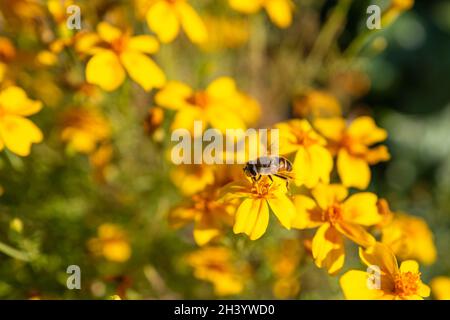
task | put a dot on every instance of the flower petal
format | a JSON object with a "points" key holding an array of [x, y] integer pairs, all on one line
{"points": [[308, 215], [361, 208], [143, 43], [331, 128], [322, 163], [247, 6], [366, 131], [222, 88], [283, 208], [174, 95], [222, 120], [409, 266], [424, 290], [354, 285], [380, 255], [108, 32], [280, 12], [18, 134], [104, 69], [143, 70], [356, 233], [252, 218], [162, 20], [327, 194], [191, 22], [328, 249], [353, 171], [14, 100]]}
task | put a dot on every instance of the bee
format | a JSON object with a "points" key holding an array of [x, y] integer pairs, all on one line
{"points": [[269, 166]]}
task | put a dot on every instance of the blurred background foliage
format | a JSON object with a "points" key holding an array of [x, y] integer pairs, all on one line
{"points": [[55, 200]]}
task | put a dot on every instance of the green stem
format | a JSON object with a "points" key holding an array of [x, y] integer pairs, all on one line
{"points": [[326, 37], [14, 253]]}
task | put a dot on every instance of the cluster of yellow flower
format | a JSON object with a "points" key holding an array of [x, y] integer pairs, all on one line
{"points": [[330, 155]]}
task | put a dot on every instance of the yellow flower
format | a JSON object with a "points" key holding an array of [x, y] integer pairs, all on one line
{"points": [[192, 178], [396, 8], [225, 33], [352, 145], [396, 283], [336, 218], [279, 11], [164, 17], [410, 238], [111, 243], [216, 265], [440, 286], [252, 215], [313, 163], [208, 214], [221, 105], [83, 129], [18, 133], [316, 104], [284, 260], [7, 53], [115, 51]]}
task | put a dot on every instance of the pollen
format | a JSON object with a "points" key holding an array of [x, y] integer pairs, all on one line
{"points": [[407, 283]]}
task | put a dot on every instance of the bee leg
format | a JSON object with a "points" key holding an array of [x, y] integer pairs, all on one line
{"points": [[271, 179], [283, 177], [258, 178]]}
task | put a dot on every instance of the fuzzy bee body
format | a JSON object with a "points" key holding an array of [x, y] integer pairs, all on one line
{"points": [[269, 166]]}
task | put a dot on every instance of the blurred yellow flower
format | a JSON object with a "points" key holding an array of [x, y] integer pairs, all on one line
{"points": [[83, 129], [221, 105], [336, 217], [7, 53], [18, 133], [225, 33], [111, 243], [316, 104], [284, 260], [164, 17], [396, 8], [440, 287], [279, 11], [113, 51], [216, 265], [252, 215], [351, 143], [402, 283], [100, 160], [410, 238], [313, 162], [192, 178], [209, 215]]}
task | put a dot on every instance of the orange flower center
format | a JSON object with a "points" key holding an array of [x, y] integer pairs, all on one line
{"points": [[333, 213], [199, 99], [407, 283], [204, 203], [263, 188], [304, 138], [118, 45], [353, 147]]}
